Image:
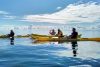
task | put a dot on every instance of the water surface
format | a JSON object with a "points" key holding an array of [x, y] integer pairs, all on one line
{"points": [[24, 53]]}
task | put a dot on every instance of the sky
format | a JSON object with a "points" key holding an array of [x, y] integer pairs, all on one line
{"points": [[21, 12]]}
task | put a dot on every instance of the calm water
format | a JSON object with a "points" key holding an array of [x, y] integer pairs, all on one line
{"points": [[25, 53]]}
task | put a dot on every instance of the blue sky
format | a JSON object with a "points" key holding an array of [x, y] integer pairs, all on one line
{"points": [[33, 11]]}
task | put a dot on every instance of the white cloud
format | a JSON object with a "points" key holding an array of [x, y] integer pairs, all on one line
{"points": [[3, 12], [9, 17], [6, 15], [88, 12], [58, 8]]}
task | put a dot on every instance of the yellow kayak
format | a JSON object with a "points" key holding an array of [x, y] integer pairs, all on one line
{"points": [[34, 36], [55, 38]]}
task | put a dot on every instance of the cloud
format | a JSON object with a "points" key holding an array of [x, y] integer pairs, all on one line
{"points": [[9, 17], [58, 8], [73, 13], [3, 12], [6, 15]]}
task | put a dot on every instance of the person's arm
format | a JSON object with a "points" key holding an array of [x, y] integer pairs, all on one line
{"points": [[71, 36]]}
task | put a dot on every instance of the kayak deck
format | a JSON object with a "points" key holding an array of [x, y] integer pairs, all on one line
{"points": [[35, 36], [65, 39], [55, 38]]}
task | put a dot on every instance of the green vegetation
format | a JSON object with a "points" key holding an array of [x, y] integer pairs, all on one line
{"points": [[18, 36], [3, 36]]}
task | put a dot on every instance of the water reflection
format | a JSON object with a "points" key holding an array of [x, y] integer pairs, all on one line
{"points": [[75, 48], [74, 45], [12, 40]]}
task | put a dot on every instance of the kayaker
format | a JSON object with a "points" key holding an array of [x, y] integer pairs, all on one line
{"points": [[74, 34], [59, 34], [11, 36], [52, 32]]}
